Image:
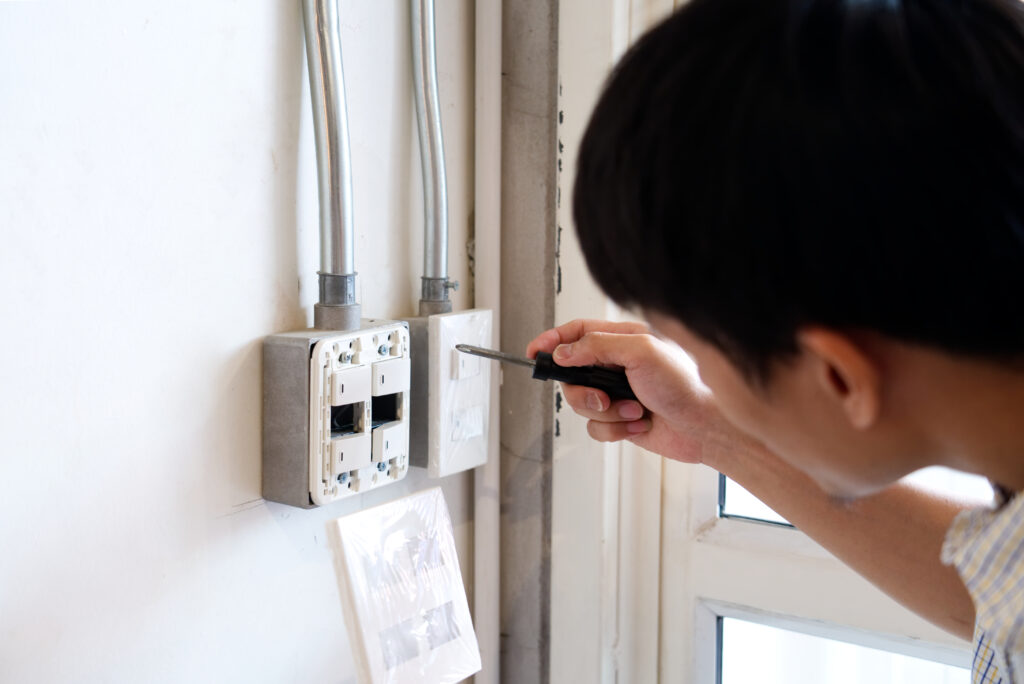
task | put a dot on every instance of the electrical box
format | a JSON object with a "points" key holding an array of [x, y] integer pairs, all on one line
{"points": [[336, 411], [451, 392]]}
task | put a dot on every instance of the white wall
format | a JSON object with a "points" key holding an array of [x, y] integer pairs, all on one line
{"points": [[157, 209]]}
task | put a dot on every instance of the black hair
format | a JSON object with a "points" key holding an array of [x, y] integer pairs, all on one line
{"points": [[754, 166]]}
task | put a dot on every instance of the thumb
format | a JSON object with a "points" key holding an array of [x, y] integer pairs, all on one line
{"points": [[602, 348]]}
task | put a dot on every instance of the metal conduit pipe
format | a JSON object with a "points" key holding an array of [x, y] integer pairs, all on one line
{"points": [[435, 283], [337, 308]]}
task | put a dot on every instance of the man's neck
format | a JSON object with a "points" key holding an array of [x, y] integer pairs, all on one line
{"points": [[975, 416]]}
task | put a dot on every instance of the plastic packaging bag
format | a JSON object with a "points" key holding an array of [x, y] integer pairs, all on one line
{"points": [[402, 593]]}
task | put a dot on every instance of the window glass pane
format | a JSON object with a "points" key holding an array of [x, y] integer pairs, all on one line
{"points": [[738, 502], [753, 652]]}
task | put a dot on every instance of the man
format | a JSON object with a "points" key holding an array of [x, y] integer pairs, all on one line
{"points": [[822, 202]]}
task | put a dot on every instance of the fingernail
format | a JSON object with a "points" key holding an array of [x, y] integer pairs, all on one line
{"points": [[594, 402], [631, 410], [562, 351], [638, 426]]}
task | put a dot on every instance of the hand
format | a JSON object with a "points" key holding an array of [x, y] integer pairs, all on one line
{"points": [[675, 415]]}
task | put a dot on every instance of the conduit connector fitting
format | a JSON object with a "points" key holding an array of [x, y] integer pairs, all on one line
{"points": [[337, 308], [434, 295]]}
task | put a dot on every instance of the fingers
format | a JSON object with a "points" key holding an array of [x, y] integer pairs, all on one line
{"points": [[584, 342], [574, 330], [595, 405], [613, 432], [545, 342], [585, 399]]}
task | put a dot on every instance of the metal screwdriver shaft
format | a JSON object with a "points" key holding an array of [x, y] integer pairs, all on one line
{"points": [[496, 355], [613, 382]]}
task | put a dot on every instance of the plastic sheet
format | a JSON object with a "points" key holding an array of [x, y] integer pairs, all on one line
{"points": [[402, 593]]}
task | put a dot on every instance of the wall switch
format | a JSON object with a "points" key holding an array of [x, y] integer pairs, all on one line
{"points": [[464, 365], [390, 441], [390, 376], [351, 452], [451, 392], [335, 412], [348, 384]]}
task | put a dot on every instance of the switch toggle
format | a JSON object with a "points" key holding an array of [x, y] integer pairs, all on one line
{"points": [[351, 452], [464, 365], [390, 441], [391, 377], [351, 385]]}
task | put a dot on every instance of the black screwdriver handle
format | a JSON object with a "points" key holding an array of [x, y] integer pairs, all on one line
{"points": [[613, 382]]}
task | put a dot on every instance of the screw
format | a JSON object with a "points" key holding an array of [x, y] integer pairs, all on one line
{"points": [[382, 466], [343, 478], [382, 350]]}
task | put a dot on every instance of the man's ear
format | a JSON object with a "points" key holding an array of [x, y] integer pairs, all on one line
{"points": [[845, 372]]}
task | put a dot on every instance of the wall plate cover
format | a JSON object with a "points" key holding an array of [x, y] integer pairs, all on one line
{"points": [[459, 392], [402, 593]]}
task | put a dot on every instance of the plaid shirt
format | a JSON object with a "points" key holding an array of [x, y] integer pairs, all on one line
{"points": [[986, 546]]}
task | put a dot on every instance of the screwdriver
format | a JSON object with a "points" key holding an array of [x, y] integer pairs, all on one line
{"points": [[613, 382]]}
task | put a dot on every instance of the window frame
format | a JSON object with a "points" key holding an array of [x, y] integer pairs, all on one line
{"points": [[797, 585], [717, 611]]}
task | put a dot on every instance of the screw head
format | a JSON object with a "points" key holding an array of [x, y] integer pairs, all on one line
{"points": [[382, 350], [382, 466]]}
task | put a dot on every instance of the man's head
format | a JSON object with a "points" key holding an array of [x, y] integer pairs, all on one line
{"points": [[758, 169]]}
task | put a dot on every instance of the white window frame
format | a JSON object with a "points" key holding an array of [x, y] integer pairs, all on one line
{"points": [[769, 574], [642, 566], [710, 612]]}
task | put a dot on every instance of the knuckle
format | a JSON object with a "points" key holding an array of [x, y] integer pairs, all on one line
{"points": [[594, 340], [573, 328], [647, 346], [646, 343]]}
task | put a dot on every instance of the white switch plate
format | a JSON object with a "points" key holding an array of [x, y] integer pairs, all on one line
{"points": [[358, 411], [459, 392], [402, 593]]}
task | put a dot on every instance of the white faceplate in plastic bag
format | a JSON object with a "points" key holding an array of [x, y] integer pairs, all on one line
{"points": [[402, 593]]}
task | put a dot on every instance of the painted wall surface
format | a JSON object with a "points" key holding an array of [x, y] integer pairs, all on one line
{"points": [[158, 215]]}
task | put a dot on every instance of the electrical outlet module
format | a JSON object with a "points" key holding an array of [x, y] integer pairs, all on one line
{"points": [[335, 412]]}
